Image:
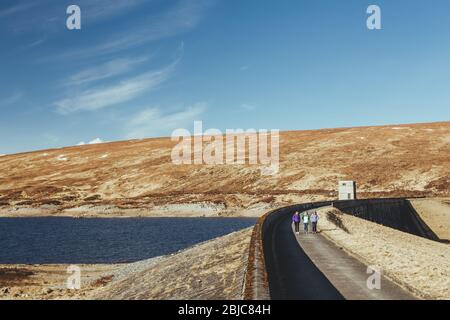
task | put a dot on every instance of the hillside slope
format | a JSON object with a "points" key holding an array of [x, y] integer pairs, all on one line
{"points": [[137, 176]]}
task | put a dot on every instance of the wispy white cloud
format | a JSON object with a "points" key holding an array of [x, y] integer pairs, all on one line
{"points": [[247, 107], [21, 7], [125, 90], [12, 99], [153, 121], [50, 138], [50, 20], [95, 141], [107, 70], [104, 9], [185, 15], [34, 44]]}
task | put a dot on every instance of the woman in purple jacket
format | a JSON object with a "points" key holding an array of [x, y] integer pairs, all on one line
{"points": [[296, 221]]}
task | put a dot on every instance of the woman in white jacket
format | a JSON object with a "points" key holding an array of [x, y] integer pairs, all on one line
{"points": [[305, 219]]}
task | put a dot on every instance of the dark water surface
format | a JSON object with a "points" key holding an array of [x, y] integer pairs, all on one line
{"points": [[69, 240]]}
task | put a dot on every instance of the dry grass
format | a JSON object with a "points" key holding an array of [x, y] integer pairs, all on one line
{"points": [[385, 161]]}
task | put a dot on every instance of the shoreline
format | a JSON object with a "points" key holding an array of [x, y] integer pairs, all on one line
{"points": [[168, 210], [125, 217], [184, 210], [198, 268]]}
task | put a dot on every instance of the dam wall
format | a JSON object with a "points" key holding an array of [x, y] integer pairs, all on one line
{"points": [[394, 213]]}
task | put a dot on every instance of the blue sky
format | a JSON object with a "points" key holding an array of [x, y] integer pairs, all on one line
{"points": [[142, 68]]}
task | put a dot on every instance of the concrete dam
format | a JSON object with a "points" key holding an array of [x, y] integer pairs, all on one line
{"points": [[394, 213], [278, 267]]}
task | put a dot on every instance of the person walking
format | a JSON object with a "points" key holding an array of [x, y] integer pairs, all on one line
{"points": [[296, 221], [314, 220], [305, 220]]}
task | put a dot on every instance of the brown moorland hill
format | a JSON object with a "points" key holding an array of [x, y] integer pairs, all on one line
{"points": [[137, 177]]}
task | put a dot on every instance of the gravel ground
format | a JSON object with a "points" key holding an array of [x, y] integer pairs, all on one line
{"points": [[436, 214], [212, 270]]}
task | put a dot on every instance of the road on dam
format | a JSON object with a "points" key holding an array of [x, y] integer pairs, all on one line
{"points": [[310, 267]]}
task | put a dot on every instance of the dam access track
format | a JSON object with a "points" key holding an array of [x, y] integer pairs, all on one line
{"points": [[309, 266]]}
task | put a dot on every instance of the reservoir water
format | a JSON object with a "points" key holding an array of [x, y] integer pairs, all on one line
{"points": [[50, 240]]}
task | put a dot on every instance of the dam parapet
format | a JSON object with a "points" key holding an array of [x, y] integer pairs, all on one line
{"points": [[396, 213], [256, 284]]}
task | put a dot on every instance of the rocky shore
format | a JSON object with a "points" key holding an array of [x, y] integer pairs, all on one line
{"points": [[212, 270]]}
